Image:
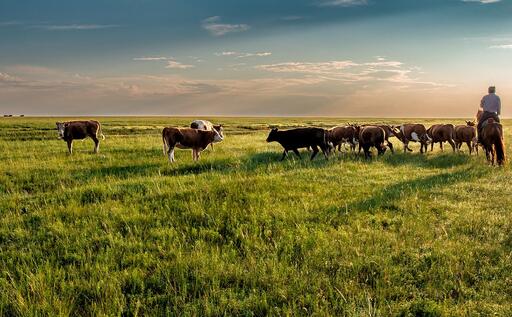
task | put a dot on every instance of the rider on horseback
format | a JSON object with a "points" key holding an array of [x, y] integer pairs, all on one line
{"points": [[491, 106]]}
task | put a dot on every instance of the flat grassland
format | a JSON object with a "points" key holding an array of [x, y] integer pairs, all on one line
{"points": [[126, 233]]}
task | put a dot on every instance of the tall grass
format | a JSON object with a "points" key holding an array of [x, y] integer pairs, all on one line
{"points": [[240, 233]]}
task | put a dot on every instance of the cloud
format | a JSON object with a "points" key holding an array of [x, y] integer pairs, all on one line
{"points": [[171, 62], [381, 70], [71, 27], [243, 55], [307, 67], [216, 28], [482, 1], [502, 46], [341, 3], [149, 59], [178, 65]]}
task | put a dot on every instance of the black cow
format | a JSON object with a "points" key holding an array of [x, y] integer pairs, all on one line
{"points": [[294, 139]]}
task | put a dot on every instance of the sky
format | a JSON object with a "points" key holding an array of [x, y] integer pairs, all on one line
{"points": [[347, 58]]}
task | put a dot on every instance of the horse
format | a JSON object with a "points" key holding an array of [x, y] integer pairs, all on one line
{"points": [[492, 140]]}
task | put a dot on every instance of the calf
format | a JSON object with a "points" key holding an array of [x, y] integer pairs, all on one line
{"points": [[208, 126], [412, 133], [339, 135], [188, 138], [79, 130], [441, 133], [292, 140], [371, 136], [466, 134]]}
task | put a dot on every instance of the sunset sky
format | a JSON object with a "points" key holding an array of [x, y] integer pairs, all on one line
{"points": [[363, 58]]}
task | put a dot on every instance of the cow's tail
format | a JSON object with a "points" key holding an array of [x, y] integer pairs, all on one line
{"points": [[165, 145], [500, 150], [100, 131]]}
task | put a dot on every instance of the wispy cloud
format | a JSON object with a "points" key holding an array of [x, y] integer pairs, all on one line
{"points": [[482, 1], [217, 28], [341, 3], [380, 70], [79, 27], [171, 61], [151, 59], [502, 46], [178, 65], [243, 55]]}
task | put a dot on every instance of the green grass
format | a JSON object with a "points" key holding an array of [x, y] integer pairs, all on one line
{"points": [[125, 233]]}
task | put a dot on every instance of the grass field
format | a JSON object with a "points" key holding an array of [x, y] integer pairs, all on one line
{"points": [[125, 233]]}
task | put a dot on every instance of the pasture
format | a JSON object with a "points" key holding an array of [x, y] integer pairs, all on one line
{"points": [[126, 233]]}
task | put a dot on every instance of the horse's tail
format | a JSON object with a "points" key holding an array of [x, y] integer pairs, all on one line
{"points": [[500, 150]]}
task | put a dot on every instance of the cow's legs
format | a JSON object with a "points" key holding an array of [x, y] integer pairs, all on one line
{"points": [[441, 145], [170, 154], [198, 153], [297, 153], [367, 152], [96, 144], [285, 153], [325, 150], [406, 146], [70, 146], [194, 155], [452, 144], [469, 147], [432, 146], [315, 151], [390, 146]]}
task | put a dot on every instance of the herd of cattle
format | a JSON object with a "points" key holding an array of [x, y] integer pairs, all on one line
{"points": [[203, 133]]}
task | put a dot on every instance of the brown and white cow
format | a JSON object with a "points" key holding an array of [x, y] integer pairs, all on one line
{"points": [[338, 136], [188, 138], [369, 136], [412, 133], [466, 134], [79, 130], [440, 133], [208, 126], [294, 139]]}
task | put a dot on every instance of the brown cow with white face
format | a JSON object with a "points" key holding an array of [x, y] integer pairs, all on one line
{"points": [[208, 126], [339, 135], [440, 133], [79, 130], [466, 134], [188, 138], [412, 133]]}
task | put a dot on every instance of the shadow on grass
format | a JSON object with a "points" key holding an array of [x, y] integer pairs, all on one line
{"points": [[444, 160], [123, 171], [195, 168], [389, 195]]}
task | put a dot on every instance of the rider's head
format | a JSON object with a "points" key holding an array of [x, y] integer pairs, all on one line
{"points": [[492, 90]]}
